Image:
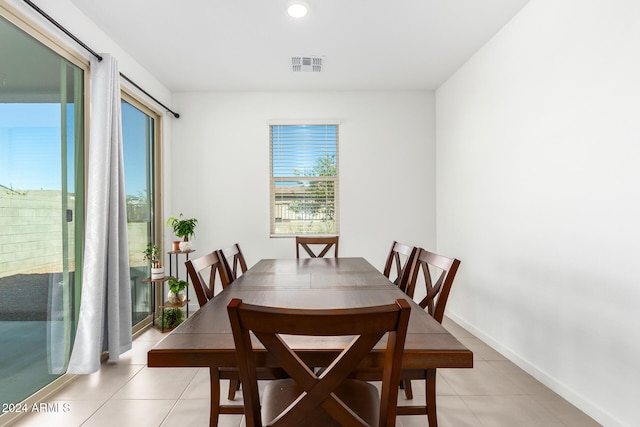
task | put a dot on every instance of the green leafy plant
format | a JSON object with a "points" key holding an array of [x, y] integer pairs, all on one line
{"points": [[182, 227], [176, 285], [152, 254], [170, 318]]}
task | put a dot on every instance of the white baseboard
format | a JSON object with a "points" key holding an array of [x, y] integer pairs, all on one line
{"points": [[572, 396]]}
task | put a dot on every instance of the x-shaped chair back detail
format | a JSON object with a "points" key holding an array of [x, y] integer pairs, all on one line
{"points": [[438, 273], [238, 264], [328, 242], [205, 288], [368, 325], [402, 257]]}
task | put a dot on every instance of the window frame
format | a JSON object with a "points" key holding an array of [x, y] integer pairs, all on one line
{"points": [[273, 179]]}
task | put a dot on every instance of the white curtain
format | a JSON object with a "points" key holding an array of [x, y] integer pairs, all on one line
{"points": [[105, 307]]}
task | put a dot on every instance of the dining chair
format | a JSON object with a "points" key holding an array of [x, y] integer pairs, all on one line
{"points": [[330, 399], [203, 272], [401, 256], [326, 244], [234, 261], [213, 265], [438, 273]]}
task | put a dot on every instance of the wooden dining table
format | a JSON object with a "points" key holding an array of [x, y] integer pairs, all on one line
{"points": [[205, 338]]}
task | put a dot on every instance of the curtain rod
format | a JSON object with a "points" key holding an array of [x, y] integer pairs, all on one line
{"points": [[92, 52]]}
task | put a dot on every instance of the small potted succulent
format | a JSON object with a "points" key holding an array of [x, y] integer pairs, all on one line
{"points": [[184, 228], [177, 288], [152, 253]]}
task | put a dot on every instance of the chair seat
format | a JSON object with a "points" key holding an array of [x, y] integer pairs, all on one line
{"points": [[360, 396]]}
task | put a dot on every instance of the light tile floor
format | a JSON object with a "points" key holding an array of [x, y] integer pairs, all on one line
{"points": [[495, 393]]}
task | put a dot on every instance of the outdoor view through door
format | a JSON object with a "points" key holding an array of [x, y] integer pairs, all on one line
{"points": [[139, 145], [304, 179], [41, 211], [42, 153]]}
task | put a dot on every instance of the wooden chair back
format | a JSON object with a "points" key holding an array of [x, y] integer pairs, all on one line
{"points": [[234, 262], [326, 244], [401, 256], [365, 326], [205, 287], [438, 274]]}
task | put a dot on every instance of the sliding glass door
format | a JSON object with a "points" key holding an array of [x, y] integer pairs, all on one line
{"points": [[140, 141], [41, 211]]}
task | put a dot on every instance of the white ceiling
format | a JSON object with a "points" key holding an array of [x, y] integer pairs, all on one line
{"points": [[196, 45]]}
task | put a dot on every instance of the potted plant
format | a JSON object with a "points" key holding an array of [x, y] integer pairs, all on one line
{"points": [[152, 254], [170, 318], [182, 227], [177, 288]]}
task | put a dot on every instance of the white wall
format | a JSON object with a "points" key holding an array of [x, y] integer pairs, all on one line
{"points": [[538, 147], [386, 161]]}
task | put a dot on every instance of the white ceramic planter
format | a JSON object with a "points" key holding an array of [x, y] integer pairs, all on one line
{"points": [[157, 273]]}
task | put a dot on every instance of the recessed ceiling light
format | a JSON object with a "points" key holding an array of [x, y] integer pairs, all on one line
{"points": [[297, 8]]}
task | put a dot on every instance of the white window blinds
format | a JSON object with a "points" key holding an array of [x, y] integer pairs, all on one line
{"points": [[304, 179]]}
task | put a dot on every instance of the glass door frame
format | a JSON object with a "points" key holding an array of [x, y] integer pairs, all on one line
{"points": [[157, 208], [35, 30]]}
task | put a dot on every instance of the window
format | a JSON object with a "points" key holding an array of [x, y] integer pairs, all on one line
{"points": [[304, 179]]}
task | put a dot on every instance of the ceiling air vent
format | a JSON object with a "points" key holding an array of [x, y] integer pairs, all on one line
{"points": [[307, 64]]}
